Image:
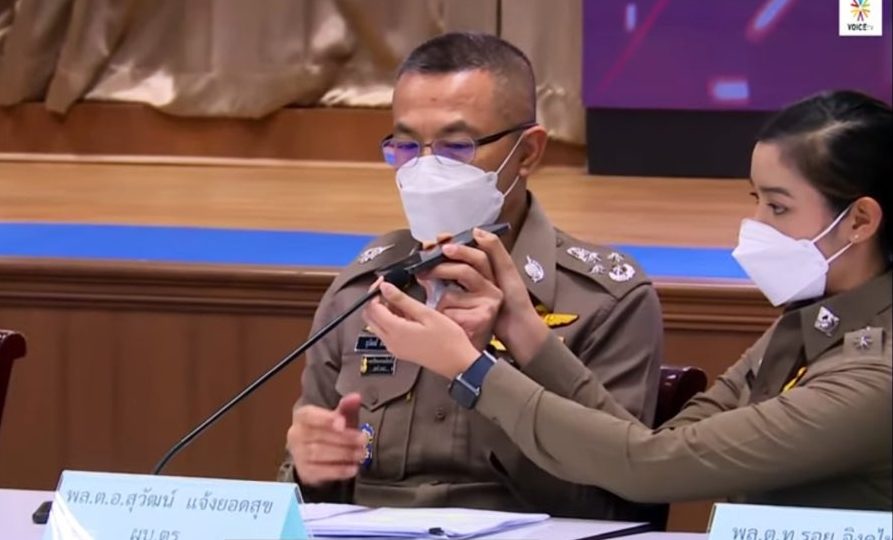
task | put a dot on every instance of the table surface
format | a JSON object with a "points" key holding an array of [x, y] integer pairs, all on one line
{"points": [[17, 506]]}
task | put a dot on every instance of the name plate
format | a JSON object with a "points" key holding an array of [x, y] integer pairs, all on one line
{"points": [[99, 506], [756, 522]]}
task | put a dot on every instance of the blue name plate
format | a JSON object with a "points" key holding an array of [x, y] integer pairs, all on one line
{"points": [[755, 522], [100, 506]]}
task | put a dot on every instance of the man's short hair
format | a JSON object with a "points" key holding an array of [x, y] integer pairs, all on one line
{"points": [[468, 51]]}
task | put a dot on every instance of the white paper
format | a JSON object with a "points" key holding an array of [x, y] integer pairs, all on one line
{"points": [[453, 523], [317, 511]]}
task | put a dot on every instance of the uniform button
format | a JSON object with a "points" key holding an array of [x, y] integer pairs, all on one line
{"points": [[439, 414]]}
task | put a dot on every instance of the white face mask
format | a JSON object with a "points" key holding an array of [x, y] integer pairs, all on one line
{"points": [[785, 269], [444, 196]]}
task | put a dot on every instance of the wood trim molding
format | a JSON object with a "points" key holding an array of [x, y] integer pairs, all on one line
{"points": [[291, 133], [714, 305], [126, 285], [687, 305]]}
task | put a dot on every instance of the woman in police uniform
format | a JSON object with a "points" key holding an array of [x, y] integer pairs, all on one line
{"points": [[803, 418]]}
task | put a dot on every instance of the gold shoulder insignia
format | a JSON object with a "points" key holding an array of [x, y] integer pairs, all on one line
{"points": [[557, 320], [499, 346]]}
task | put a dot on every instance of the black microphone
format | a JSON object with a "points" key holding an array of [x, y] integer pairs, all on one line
{"points": [[398, 277]]}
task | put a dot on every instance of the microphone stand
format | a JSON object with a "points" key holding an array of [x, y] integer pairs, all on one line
{"points": [[398, 277]]}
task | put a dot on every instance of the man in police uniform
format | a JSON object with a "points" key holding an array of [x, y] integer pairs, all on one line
{"points": [[374, 430]]}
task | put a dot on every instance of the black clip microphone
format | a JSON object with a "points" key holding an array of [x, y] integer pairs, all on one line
{"points": [[398, 277]]}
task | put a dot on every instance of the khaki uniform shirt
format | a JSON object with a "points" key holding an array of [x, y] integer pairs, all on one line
{"points": [[804, 418], [425, 449]]}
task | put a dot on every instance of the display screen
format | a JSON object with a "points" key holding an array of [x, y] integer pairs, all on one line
{"points": [[729, 54]]}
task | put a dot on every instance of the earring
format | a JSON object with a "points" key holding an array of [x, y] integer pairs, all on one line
{"points": [[855, 238]]}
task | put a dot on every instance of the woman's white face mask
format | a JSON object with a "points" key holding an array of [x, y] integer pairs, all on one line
{"points": [[785, 269], [440, 196]]}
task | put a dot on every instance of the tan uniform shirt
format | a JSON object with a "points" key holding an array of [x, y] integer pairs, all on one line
{"points": [[428, 451], [804, 418]]}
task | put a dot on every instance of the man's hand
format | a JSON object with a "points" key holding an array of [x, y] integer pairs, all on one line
{"points": [[325, 445]]}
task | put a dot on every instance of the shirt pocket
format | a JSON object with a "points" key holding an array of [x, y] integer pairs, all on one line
{"points": [[387, 409]]}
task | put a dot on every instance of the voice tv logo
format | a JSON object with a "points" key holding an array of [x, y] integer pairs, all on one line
{"points": [[861, 17]]}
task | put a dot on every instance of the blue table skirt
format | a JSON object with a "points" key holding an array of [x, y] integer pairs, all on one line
{"points": [[282, 248]]}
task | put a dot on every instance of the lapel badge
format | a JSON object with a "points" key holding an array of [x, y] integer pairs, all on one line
{"points": [[622, 272], [578, 253], [584, 255], [370, 254], [369, 432], [862, 341], [597, 269], [534, 270], [615, 257], [826, 322]]}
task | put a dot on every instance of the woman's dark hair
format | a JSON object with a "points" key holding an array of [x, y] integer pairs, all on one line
{"points": [[842, 143]]}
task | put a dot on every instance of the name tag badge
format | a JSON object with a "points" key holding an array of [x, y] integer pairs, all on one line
{"points": [[757, 522], [103, 506], [378, 364], [368, 343]]}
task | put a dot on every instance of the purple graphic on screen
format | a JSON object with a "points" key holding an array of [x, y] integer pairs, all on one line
{"points": [[726, 54]]}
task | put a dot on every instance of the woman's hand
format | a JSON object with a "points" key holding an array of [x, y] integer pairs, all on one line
{"points": [[474, 301], [415, 333], [518, 325]]}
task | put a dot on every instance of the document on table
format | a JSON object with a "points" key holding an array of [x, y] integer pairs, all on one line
{"points": [[311, 512], [452, 523]]}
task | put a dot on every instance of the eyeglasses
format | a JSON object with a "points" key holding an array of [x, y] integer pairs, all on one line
{"points": [[400, 151]]}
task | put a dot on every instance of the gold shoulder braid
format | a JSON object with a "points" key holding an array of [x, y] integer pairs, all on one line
{"points": [[552, 320]]}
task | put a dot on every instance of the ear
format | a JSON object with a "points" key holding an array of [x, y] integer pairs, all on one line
{"points": [[533, 146], [864, 220]]}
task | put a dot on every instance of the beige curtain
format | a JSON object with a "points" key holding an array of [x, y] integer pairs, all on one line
{"points": [[238, 58], [550, 32]]}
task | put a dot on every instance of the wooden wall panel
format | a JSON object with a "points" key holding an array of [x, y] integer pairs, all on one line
{"points": [[125, 359], [292, 133]]}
